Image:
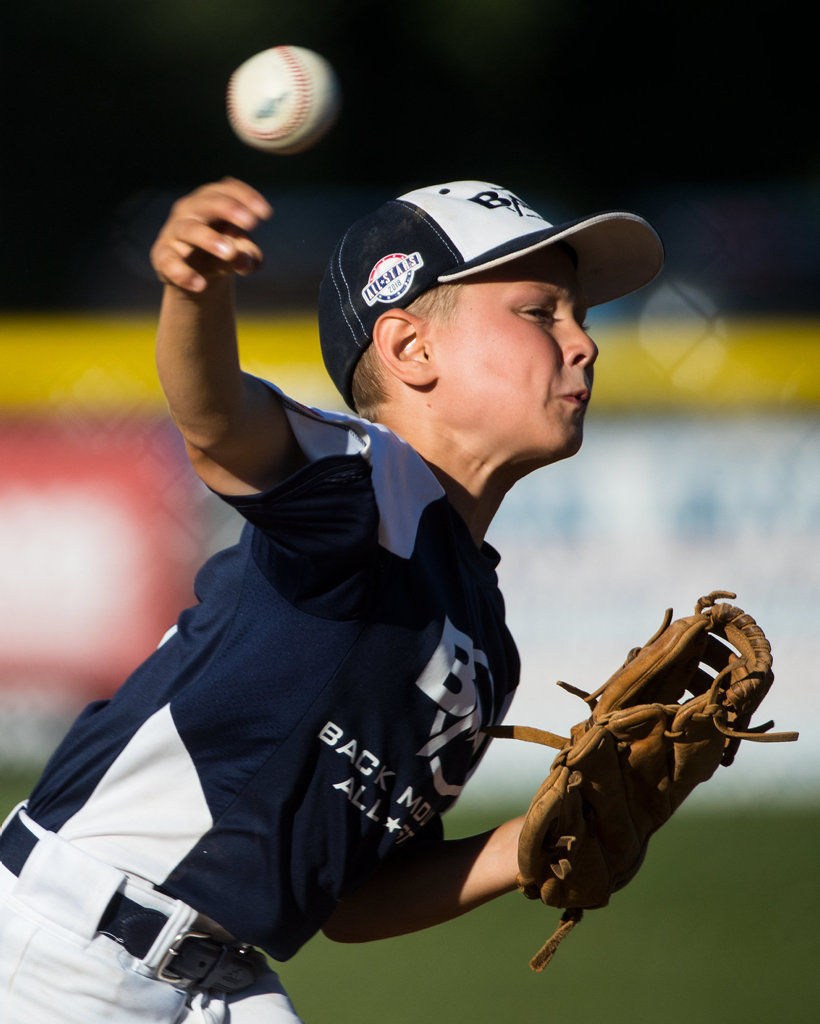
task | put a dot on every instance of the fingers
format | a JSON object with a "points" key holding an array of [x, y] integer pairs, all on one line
{"points": [[189, 253], [207, 237], [229, 200]]}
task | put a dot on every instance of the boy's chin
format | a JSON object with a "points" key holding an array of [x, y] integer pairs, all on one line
{"points": [[570, 447], [551, 455]]}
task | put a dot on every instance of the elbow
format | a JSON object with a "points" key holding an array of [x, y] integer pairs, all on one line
{"points": [[339, 928], [337, 934], [347, 925], [205, 438]]}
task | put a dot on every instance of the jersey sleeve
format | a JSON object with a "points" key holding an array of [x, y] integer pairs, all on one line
{"points": [[311, 496], [403, 485], [320, 533]]}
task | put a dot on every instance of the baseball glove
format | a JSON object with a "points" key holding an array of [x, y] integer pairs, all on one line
{"points": [[645, 746]]}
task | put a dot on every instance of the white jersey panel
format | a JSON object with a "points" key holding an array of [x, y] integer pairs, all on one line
{"points": [[403, 485], [148, 809], [320, 436]]}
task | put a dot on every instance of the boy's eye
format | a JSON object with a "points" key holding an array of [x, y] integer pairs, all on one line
{"points": [[547, 315]]}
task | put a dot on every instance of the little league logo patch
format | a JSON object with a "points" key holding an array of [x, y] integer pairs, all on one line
{"points": [[391, 277]]}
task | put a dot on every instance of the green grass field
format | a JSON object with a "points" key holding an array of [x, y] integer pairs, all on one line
{"points": [[719, 926]]}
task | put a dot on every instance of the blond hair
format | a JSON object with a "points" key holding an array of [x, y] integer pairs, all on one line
{"points": [[368, 384]]}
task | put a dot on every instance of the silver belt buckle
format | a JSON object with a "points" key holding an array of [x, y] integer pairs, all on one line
{"points": [[172, 952]]}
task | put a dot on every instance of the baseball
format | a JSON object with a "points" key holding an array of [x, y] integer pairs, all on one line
{"points": [[283, 100]]}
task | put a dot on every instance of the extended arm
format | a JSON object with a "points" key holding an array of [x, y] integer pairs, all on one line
{"points": [[428, 884], [235, 429]]}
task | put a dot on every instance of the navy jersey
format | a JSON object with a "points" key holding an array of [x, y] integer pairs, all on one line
{"points": [[319, 706]]}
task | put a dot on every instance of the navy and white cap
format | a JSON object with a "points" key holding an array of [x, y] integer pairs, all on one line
{"points": [[447, 232]]}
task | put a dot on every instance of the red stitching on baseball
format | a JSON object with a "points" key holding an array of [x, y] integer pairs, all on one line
{"points": [[304, 92]]}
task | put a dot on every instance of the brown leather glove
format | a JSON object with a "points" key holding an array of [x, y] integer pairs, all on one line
{"points": [[676, 709]]}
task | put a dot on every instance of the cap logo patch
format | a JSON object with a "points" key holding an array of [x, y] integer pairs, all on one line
{"points": [[391, 277]]}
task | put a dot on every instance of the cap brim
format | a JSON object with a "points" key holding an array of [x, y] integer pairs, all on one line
{"points": [[617, 254]]}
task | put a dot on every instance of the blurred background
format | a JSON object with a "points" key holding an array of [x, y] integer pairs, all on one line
{"points": [[701, 467]]}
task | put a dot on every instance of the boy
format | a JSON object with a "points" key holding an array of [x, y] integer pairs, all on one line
{"points": [[281, 762]]}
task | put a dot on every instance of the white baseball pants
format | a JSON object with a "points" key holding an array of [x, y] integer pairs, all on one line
{"points": [[56, 968]]}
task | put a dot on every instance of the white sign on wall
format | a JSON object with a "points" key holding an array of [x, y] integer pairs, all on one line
{"points": [[653, 513]]}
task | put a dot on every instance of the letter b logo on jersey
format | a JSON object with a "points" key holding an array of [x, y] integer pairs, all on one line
{"points": [[449, 680]]}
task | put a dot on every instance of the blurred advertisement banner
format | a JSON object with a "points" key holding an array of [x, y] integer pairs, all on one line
{"points": [[97, 543]]}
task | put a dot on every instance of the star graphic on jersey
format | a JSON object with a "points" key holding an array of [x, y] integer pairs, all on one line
{"points": [[392, 824]]}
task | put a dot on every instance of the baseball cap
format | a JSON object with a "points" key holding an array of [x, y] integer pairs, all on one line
{"points": [[448, 232]]}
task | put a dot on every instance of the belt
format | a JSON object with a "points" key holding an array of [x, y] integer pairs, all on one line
{"points": [[193, 959]]}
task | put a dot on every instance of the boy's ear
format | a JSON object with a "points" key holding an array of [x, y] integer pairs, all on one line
{"points": [[404, 348]]}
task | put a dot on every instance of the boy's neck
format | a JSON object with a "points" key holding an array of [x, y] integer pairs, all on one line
{"points": [[473, 488]]}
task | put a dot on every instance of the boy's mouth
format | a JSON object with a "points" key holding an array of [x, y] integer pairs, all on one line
{"points": [[580, 397]]}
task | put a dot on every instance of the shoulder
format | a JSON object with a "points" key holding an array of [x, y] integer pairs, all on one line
{"points": [[403, 484]]}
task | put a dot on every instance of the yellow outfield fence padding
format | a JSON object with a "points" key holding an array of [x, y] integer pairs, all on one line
{"points": [[107, 362]]}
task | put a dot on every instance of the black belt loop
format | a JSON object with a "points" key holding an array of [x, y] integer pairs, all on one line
{"points": [[192, 959], [131, 924], [16, 843]]}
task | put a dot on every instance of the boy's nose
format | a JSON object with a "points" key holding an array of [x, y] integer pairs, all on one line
{"points": [[580, 349]]}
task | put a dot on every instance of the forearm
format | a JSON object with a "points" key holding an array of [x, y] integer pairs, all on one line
{"points": [[197, 361], [428, 885], [235, 427]]}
